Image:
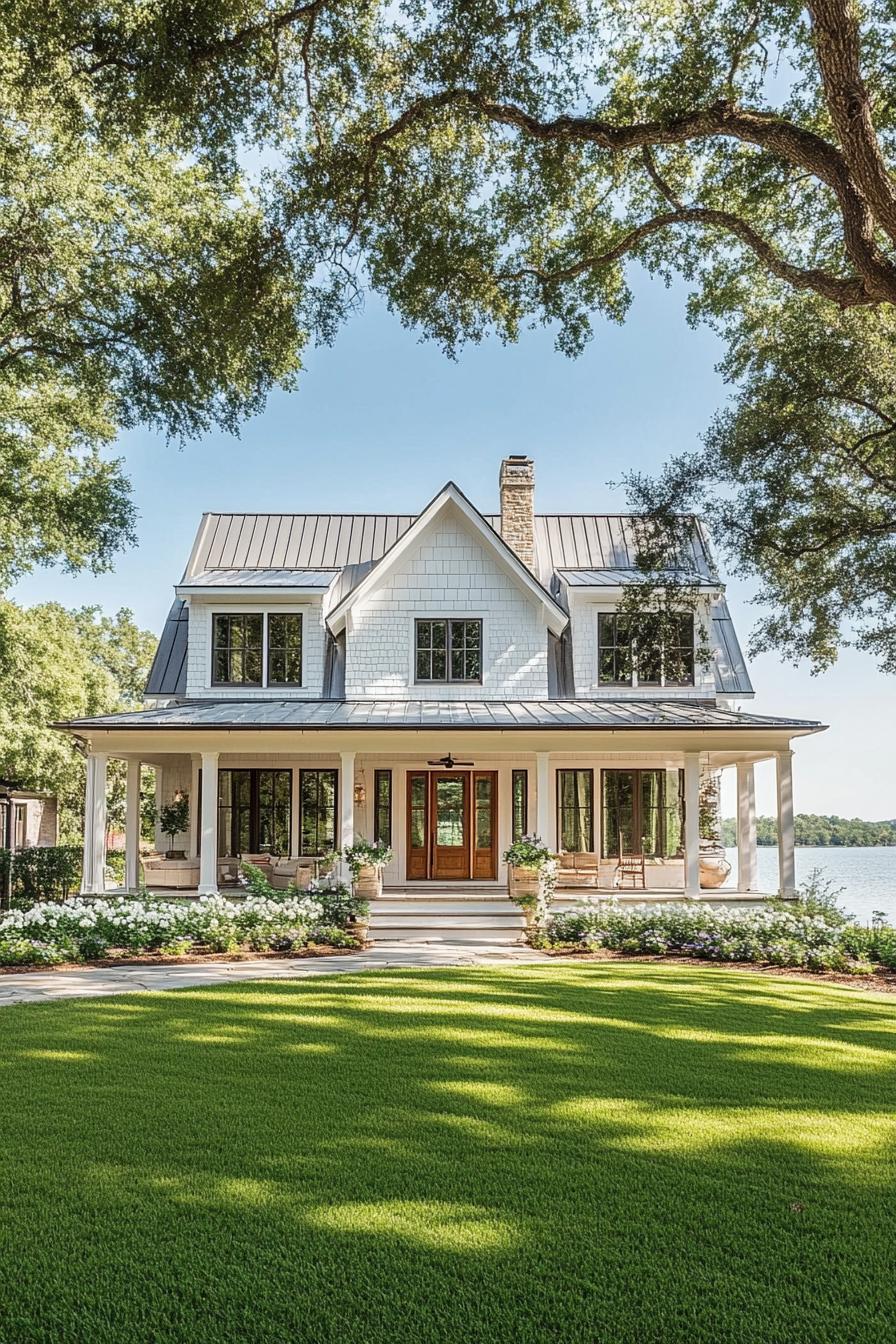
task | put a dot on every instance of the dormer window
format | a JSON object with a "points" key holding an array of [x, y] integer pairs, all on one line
{"points": [[645, 658], [448, 650], [254, 649]]}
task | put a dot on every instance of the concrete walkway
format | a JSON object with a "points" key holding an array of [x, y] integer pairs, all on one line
{"points": [[97, 982]]}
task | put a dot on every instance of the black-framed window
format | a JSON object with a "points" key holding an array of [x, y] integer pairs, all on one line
{"points": [[662, 653], [318, 794], [614, 650], [575, 810], [446, 650], [642, 812], [284, 648], [519, 795], [237, 648], [382, 806], [254, 812]]}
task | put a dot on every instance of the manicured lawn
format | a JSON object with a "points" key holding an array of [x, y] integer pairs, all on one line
{"points": [[589, 1153]]}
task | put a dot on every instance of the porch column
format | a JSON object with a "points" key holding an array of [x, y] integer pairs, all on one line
{"points": [[786, 864], [93, 880], [208, 835], [346, 803], [132, 827], [543, 826], [747, 879], [87, 851], [692, 823]]}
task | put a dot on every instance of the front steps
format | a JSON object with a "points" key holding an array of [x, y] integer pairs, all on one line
{"points": [[438, 914]]}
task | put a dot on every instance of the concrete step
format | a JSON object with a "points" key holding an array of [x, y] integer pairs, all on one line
{"points": [[426, 905], [447, 920], [426, 933]]}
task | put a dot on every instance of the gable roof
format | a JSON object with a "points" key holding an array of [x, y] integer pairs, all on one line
{"points": [[450, 497]]}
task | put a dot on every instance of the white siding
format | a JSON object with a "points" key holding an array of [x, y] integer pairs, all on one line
{"points": [[449, 573], [199, 653], [584, 613]]}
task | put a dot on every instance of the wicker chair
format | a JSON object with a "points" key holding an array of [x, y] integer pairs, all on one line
{"points": [[631, 871]]}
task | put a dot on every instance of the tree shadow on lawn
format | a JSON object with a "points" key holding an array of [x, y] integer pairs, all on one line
{"points": [[620, 1153]]}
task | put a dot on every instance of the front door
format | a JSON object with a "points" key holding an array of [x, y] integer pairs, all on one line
{"points": [[450, 808], [452, 825]]}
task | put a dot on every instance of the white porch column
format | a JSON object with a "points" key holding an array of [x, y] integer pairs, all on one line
{"points": [[786, 864], [95, 824], [87, 852], [747, 878], [692, 823], [208, 835], [346, 803], [543, 827], [132, 827]]}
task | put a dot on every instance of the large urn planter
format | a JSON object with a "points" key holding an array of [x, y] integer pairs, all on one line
{"points": [[714, 868], [523, 887], [369, 882]]}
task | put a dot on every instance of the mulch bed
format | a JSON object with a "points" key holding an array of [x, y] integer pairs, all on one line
{"points": [[192, 959], [884, 981]]}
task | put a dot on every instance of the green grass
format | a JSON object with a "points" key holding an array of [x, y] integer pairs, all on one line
{"points": [[572, 1153]]}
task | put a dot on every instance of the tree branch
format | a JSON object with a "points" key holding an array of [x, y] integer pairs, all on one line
{"points": [[845, 292], [837, 52], [768, 130]]}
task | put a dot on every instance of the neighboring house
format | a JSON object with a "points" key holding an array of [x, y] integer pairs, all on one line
{"points": [[28, 817], [443, 680]]}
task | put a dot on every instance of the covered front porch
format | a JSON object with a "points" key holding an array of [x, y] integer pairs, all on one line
{"points": [[447, 798]]}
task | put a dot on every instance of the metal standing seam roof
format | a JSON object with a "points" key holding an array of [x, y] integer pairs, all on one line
{"points": [[261, 578], [333, 540], [441, 714], [168, 674]]}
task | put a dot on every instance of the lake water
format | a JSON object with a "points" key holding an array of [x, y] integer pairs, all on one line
{"points": [[867, 875]]}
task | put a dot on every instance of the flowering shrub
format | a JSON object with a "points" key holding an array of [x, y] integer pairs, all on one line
{"points": [[775, 935], [80, 929]]}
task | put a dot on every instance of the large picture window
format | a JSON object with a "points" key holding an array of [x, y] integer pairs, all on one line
{"points": [[317, 800], [575, 810], [254, 808], [661, 654], [448, 650], [237, 649], [642, 813], [382, 806]]}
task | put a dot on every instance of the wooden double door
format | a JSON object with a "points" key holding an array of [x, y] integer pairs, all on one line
{"points": [[452, 825]]}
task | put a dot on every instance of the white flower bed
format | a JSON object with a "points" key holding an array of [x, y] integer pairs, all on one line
{"points": [[82, 929]]}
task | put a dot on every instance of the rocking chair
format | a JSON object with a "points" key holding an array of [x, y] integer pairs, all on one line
{"points": [[630, 870]]}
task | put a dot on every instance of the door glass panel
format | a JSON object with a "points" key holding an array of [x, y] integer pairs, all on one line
{"points": [[450, 812], [418, 812], [483, 813]]}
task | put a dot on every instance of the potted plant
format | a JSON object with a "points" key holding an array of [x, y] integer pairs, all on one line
{"points": [[714, 863], [174, 818], [531, 877], [366, 861]]}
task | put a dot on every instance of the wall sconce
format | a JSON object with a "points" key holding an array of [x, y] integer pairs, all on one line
{"points": [[360, 795]]}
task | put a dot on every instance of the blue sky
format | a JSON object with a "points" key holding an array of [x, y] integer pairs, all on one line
{"points": [[380, 421]]}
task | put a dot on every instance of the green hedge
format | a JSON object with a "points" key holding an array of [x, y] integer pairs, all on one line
{"points": [[42, 873]]}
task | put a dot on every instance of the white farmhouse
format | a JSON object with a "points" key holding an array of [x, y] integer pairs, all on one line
{"points": [[445, 681]]}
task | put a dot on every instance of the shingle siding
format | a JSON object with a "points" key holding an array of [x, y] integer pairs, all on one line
{"points": [[199, 655], [448, 574]]}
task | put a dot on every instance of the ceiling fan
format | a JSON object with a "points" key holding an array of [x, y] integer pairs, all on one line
{"points": [[449, 762]]}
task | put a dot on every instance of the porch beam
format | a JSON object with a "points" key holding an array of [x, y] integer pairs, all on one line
{"points": [[786, 857], [132, 827], [692, 823], [208, 838], [747, 877]]}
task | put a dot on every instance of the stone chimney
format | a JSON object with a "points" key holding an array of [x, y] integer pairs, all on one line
{"points": [[517, 481]]}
